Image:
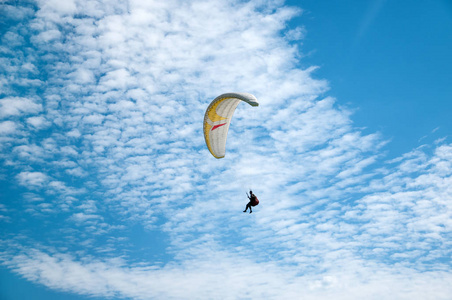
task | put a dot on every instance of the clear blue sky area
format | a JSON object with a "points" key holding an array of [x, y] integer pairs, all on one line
{"points": [[390, 59]]}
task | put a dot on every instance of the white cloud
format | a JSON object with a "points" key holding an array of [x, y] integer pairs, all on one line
{"points": [[8, 127], [12, 39], [16, 106], [38, 122], [60, 7], [228, 279], [48, 36], [32, 179], [82, 76], [81, 217]]}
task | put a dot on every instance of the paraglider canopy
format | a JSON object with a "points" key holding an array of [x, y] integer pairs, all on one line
{"points": [[218, 117]]}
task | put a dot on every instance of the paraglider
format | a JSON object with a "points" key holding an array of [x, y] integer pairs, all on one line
{"points": [[218, 117], [253, 201]]}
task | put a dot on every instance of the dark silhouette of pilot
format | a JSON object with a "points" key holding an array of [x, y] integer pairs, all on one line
{"points": [[253, 201]]}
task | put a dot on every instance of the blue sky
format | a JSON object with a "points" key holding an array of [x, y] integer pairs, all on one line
{"points": [[389, 60], [109, 192]]}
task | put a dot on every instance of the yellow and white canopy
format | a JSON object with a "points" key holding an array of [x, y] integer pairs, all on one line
{"points": [[218, 117]]}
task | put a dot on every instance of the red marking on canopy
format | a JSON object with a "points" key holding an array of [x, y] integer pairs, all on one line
{"points": [[216, 126]]}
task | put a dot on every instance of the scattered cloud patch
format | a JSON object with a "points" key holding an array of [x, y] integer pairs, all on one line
{"points": [[32, 179], [16, 106]]}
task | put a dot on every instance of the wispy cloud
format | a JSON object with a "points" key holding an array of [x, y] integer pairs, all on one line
{"points": [[372, 12], [107, 136], [229, 278]]}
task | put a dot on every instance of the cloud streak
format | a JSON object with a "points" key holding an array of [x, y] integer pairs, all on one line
{"points": [[230, 279]]}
